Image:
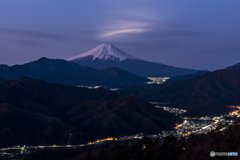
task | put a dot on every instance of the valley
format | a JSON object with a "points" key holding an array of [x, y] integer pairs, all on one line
{"points": [[119, 80]]}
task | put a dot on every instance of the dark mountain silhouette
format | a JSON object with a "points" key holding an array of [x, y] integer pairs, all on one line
{"points": [[137, 67], [204, 95], [136, 90], [64, 72], [128, 114], [39, 68], [114, 75], [235, 67], [24, 126], [34, 112], [185, 77], [107, 55]]}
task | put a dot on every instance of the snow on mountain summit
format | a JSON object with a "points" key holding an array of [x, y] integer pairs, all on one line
{"points": [[104, 52]]}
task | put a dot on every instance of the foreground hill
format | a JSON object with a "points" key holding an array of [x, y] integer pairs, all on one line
{"points": [[128, 114], [107, 55], [68, 73], [34, 112], [201, 96]]}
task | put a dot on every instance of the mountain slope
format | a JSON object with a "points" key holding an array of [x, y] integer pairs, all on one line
{"points": [[203, 95], [104, 52], [26, 92], [235, 67], [116, 75], [107, 55], [64, 72], [128, 114], [21, 126], [41, 67], [185, 77], [34, 112]]}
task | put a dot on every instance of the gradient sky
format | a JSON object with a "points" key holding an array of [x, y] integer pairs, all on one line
{"points": [[198, 34]]}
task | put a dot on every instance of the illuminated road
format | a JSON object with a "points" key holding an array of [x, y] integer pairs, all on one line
{"points": [[61, 146], [39, 147], [235, 112], [180, 125]]}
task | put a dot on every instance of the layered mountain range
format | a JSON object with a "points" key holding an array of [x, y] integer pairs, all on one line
{"points": [[34, 112], [204, 95], [107, 55], [64, 72]]}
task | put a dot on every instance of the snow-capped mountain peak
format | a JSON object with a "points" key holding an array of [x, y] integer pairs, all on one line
{"points": [[104, 52]]}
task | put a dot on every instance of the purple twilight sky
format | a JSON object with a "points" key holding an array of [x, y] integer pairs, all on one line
{"points": [[198, 34]]}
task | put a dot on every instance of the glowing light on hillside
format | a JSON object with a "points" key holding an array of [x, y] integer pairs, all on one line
{"points": [[233, 106], [206, 126], [180, 124], [102, 140]]}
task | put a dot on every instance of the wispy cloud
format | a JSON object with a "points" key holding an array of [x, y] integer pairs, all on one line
{"points": [[123, 31], [28, 43], [33, 34]]}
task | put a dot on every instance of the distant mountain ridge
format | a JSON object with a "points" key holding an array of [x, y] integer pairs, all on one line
{"points": [[107, 55], [204, 95], [64, 72], [235, 67], [185, 77]]}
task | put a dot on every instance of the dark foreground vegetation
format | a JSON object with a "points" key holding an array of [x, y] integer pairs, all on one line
{"points": [[193, 148]]}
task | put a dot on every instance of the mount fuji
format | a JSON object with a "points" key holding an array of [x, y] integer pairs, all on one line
{"points": [[104, 52], [107, 55]]}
